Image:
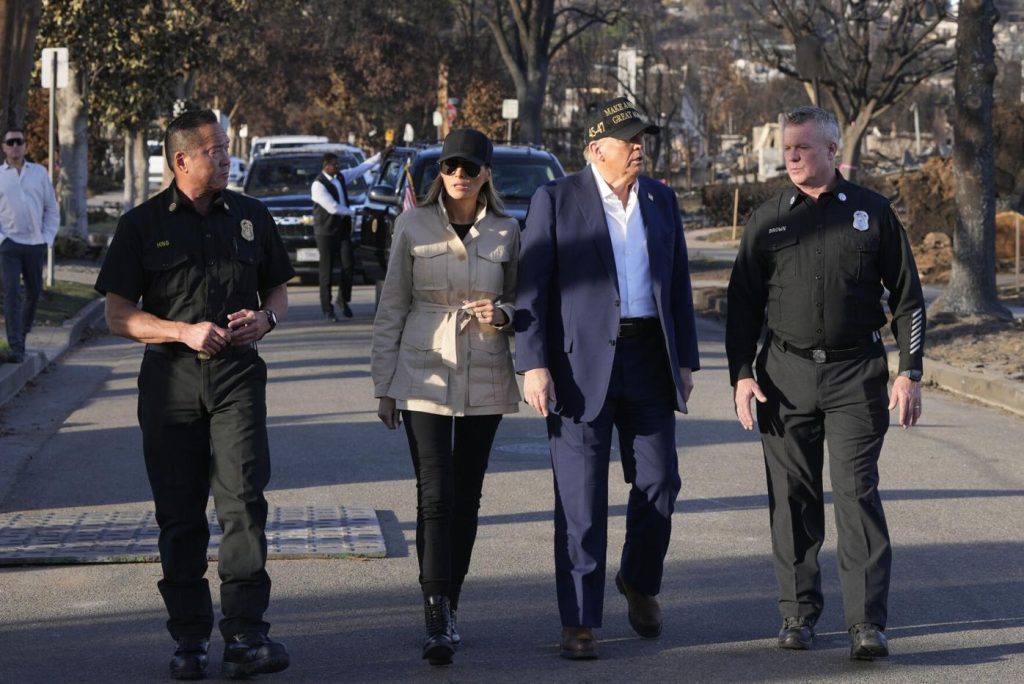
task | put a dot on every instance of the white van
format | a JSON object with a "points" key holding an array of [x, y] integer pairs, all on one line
{"points": [[262, 145]]}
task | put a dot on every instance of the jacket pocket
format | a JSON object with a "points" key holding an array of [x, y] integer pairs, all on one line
{"points": [[421, 373], [491, 376], [430, 266], [490, 270]]}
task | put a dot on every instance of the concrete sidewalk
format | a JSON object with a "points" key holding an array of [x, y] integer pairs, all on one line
{"points": [[45, 345], [953, 489]]}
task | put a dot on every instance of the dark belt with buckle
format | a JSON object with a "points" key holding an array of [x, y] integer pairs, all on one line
{"points": [[868, 348], [631, 327], [182, 349]]}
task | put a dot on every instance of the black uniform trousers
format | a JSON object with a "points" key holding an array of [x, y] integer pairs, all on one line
{"points": [[450, 458], [204, 426], [335, 250], [640, 405], [846, 404]]}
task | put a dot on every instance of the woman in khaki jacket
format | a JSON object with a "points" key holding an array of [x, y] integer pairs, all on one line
{"points": [[441, 362]]}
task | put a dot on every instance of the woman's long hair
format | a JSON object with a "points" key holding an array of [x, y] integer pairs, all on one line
{"points": [[491, 198]]}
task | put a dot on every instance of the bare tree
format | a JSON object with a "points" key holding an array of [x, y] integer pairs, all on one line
{"points": [[972, 283], [874, 52], [528, 34], [661, 81], [19, 23]]}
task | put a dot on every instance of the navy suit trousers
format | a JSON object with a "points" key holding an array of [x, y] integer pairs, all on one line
{"points": [[640, 405]]}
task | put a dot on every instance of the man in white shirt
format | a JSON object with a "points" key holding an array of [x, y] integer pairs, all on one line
{"points": [[332, 228], [28, 223]]}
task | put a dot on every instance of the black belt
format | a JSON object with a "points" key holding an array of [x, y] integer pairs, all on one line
{"points": [[830, 355], [631, 327], [182, 349]]}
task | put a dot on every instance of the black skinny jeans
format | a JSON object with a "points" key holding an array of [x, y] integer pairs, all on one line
{"points": [[449, 481]]}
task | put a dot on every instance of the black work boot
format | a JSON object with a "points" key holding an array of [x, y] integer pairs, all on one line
{"points": [[797, 633], [253, 653], [438, 648], [867, 642], [189, 660]]}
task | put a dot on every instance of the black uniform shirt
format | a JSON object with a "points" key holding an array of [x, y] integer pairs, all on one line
{"points": [[816, 270], [193, 268]]}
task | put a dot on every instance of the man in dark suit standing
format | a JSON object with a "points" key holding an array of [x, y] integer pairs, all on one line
{"points": [[332, 228], [606, 338]]}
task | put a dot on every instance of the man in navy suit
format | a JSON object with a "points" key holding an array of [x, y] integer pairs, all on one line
{"points": [[605, 336]]}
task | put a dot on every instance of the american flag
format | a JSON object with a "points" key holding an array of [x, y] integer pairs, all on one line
{"points": [[408, 197], [409, 194]]}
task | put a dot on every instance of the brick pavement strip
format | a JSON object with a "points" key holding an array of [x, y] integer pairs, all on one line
{"points": [[61, 537]]}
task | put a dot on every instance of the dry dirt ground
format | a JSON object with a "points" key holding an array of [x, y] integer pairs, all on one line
{"points": [[992, 348]]}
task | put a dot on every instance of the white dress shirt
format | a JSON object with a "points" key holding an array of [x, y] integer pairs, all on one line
{"points": [[629, 245], [28, 206], [322, 197]]}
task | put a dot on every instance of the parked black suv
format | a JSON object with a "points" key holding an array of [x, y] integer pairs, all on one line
{"points": [[282, 181], [517, 170]]}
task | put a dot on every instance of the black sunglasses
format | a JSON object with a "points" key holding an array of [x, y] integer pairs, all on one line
{"points": [[14, 142], [449, 166]]}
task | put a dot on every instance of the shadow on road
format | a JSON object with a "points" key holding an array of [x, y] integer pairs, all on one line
{"points": [[720, 621]]}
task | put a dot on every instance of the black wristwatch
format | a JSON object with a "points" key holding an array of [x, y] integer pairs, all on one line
{"points": [[914, 375], [271, 318]]}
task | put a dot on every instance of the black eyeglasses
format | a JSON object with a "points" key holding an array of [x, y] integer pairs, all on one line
{"points": [[449, 166], [14, 142]]}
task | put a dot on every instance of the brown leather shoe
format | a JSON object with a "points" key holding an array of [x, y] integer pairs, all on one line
{"points": [[578, 643], [644, 611]]}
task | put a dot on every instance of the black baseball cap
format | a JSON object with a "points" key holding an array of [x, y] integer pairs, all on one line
{"points": [[618, 118], [468, 144]]}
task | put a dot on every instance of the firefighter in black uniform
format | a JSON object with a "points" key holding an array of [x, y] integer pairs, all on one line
{"points": [[811, 265], [211, 271]]}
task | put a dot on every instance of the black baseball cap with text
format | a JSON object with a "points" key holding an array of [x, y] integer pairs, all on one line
{"points": [[618, 118]]}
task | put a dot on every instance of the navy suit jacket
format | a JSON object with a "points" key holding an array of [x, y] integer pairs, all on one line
{"points": [[567, 306]]}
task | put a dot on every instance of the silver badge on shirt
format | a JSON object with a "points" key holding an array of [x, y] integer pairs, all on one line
{"points": [[247, 230], [860, 220]]}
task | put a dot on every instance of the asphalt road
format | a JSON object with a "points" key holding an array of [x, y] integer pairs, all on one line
{"points": [[953, 487]]}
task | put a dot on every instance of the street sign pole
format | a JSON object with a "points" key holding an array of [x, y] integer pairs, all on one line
{"points": [[53, 175], [509, 112], [54, 74]]}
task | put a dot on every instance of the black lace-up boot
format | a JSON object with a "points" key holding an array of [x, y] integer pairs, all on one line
{"points": [[438, 648]]}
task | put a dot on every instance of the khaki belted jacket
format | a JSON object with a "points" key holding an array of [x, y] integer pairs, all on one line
{"points": [[428, 354]]}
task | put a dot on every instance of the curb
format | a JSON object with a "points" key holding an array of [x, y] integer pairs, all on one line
{"points": [[50, 344], [710, 302], [997, 392]]}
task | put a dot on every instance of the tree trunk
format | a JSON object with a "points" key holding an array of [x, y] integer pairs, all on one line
{"points": [[530, 91], [19, 23], [136, 169], [853, 136], [73, 132], [972, 284]]}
